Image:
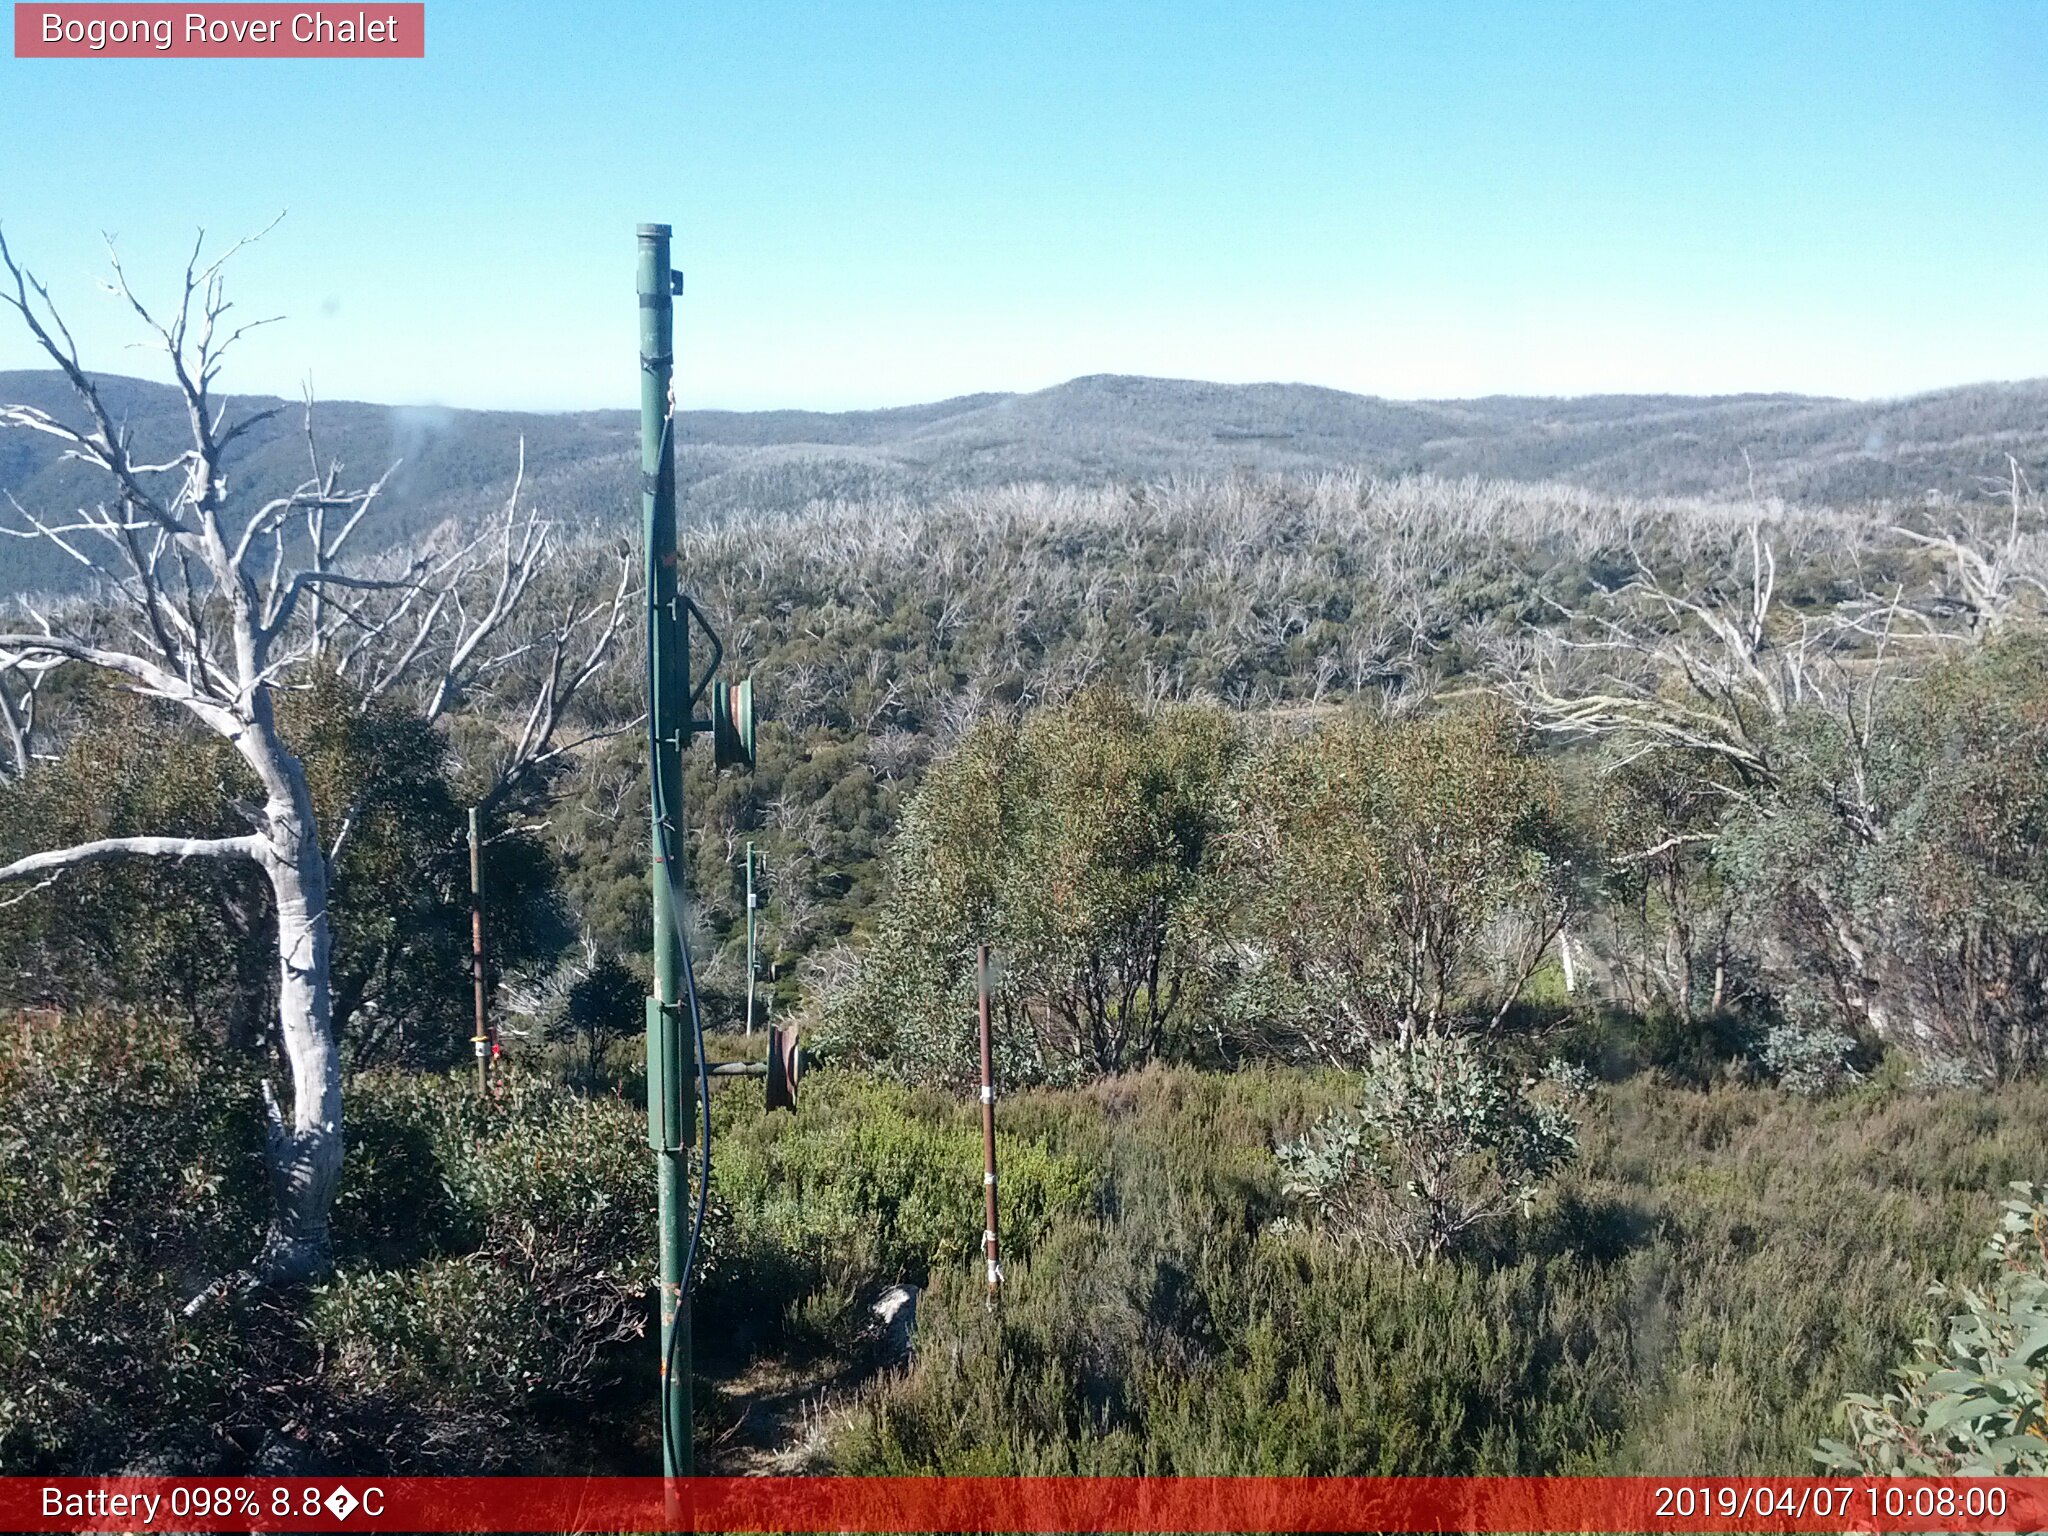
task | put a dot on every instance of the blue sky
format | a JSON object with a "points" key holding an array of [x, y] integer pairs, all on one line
{"points": [[879, 203]]}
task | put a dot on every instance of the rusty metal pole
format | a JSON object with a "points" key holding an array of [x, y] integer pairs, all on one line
{"points": [[752, 904], [989, 1247], [480, 1041]]}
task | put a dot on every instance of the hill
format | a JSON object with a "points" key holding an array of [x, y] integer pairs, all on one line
{"points": [[1098, 430]]}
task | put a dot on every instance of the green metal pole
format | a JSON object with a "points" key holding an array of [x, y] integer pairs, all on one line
{"points": [[671, 1048]]}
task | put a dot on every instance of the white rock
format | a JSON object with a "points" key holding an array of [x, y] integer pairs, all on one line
{"points": [[896, 1311]]}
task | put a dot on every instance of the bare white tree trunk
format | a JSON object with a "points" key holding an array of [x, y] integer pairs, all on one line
{"points": [[305, 1151], [212, 618]]}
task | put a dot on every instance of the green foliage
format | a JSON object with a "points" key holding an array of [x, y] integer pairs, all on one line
{"points": [[1694, 1296], [1808, 1058], [820, 804], [878, 632], [1904, 871], [1440, 1143], [494, 1257], [200, 935], [1666, 919], [400, 896], [582, 1003], [532, 1260], [129, 1176], [1387, 877], [1690, 1052], [604, 1005], [185, 935], [1361, 881], [870, 1183], [1077, 845], [1976, 1402]]}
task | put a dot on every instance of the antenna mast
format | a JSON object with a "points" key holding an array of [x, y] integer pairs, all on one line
{"points": [[677, 1084]]}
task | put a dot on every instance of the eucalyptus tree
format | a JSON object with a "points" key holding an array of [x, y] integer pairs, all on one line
{"points": [[214, 601], [1078, 844], [1830, 750], [1391, 879]]}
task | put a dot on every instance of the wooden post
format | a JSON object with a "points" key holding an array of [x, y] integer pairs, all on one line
{"points": [[751, 905], [481, 1040], [989, 1246]]}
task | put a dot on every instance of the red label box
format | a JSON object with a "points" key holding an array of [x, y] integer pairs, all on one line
{"points": [[107, 29], [1774, 1506]]}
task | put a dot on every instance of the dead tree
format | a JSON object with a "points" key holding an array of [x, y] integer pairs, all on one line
{"points": [[212, 604], [1708, 682], [20, 687]]}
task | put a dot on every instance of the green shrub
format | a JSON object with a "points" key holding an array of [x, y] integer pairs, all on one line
{"points": [[1384, 878], [1975, 1403], [396, 1203], [196, 937], [1696, 1294], [1172, 1332], [1898, 865], [1809, 1059], [1440, 1144], [129, 1178], [493, 1254], [868, 1183], [522, 1228], [1078, 844]]}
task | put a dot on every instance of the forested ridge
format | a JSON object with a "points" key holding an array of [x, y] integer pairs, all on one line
{"points": [[1103, 430]]}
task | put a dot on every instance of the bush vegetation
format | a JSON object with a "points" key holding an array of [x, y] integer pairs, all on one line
{"points": [[1694, 1294], [188, 935], [495, 1256], [1974, 1403], [1440, 1144], [1312, 822], [491, 1255]]}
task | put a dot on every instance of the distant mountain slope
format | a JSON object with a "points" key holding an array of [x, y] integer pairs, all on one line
{"points": [[583, 465]]}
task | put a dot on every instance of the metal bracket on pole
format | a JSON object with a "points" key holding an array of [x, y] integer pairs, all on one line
{"points": [[783, 1067], [670, 1123], [731, 721], [691, 611]]}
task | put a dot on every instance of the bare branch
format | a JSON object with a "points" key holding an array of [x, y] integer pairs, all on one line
{"points": [[247, 847], [18, 710]]}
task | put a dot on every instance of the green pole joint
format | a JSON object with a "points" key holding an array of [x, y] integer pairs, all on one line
{"points": [[671, 1085]]}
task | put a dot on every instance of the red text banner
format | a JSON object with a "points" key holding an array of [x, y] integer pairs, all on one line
{"points": [[1002, 1504], [228, 31]]}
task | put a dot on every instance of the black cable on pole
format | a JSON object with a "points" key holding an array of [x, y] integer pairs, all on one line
{"points": [[667, 831]]}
